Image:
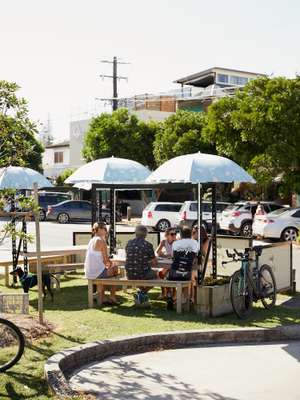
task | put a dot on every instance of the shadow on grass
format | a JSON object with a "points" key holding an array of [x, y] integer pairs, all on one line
{"points": [[74, 298]]}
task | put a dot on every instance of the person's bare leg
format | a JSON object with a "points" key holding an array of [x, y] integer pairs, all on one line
{"points": [[113, 294]]}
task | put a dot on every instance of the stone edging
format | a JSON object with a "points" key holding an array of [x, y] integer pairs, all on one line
{"points": [[61, 365]]}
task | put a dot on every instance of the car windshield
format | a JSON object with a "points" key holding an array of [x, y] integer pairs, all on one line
{"points": [[233, 207], [278, 212], [182, 208], [148, 206]]}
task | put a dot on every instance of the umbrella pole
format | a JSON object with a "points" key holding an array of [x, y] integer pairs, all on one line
{"points": [[214, 231], [38, 255], [94, 200]]}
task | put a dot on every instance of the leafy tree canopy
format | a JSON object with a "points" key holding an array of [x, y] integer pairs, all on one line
{"points": [[60, 180], [259, 128], [120, 134], [181, 133], [18, 145]]}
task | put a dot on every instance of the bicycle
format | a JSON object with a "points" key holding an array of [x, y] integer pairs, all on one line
{"points": [[250, 284], [12, 343]]}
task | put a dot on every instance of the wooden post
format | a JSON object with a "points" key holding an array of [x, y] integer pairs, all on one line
{"points": [[38, 255]]}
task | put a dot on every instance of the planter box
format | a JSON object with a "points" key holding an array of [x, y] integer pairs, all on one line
{"points": [[14, 303], [213, 301]]}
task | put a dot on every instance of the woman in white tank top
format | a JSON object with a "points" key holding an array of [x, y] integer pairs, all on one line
{"points": [[97, 263]]}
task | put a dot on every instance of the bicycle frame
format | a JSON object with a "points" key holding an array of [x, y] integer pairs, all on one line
{"points": [[245, 273]]}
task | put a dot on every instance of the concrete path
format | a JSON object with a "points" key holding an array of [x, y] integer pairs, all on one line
{"points": [[249, 372]]}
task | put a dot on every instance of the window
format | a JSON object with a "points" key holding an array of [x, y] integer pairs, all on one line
{"points": [[206, 207], [238, 80], [222, 78], [85, 206], [168, 207], [274, 207], [296, 214], [58, 157]]}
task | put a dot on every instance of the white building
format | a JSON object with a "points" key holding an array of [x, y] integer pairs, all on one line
{"points": [[56, 159]]}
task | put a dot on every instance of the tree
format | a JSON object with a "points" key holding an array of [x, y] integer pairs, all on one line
{"points": [[259, 128], [181, 133], [60, 180], [18, 145], [120, 134]]}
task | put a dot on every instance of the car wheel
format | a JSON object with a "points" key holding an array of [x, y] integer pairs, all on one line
{"points": [[246, 229], [63, 218], [163, 225], [289, 234], [42, 215]]}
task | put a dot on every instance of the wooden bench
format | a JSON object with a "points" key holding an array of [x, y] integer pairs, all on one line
{"points": [[59, 269], [179, 285], [32, 261]]}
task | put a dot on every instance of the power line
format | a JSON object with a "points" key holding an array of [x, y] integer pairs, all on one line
{"points": [[115, 78]]}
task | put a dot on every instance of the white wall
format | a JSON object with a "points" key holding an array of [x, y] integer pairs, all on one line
{"points": [[51, 169], [77, 132]]}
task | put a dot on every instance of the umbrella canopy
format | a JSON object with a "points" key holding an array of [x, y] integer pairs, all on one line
{"points": [[199, 168], [108, 170], [21, 178]]}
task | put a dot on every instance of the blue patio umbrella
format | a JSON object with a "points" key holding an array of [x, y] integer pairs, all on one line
{"points": [[21, 178]]}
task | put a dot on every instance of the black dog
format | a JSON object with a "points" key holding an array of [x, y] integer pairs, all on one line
{"points": [[29, 280]]}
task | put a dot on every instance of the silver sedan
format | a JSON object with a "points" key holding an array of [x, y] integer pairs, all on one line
{"points": [[280, 224]]}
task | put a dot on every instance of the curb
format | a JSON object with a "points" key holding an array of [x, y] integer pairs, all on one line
{"points": [[61, 365]]}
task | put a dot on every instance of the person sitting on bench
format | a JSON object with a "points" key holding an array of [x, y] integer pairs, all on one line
{"points": [[185, 253], [97, 263], [140, 259]]}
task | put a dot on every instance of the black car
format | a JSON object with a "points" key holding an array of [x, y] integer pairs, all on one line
{"points": [[50, 198], [76, 210]]}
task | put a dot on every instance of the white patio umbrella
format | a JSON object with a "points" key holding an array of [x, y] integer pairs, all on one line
{"points": [[21, 178], [108, 170], [199, 168]]}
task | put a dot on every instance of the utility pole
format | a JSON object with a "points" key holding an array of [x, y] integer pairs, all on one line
{"points": [[115, 79]]}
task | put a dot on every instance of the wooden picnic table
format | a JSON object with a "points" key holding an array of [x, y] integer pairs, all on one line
{"points": [[162, 262], [47, 255], [59, 251]]}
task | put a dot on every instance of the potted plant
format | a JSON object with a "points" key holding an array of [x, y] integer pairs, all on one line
{"points": [[213, 297]]}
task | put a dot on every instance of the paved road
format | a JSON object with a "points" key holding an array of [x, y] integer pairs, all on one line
{"points": [[252, 372], [52, 235]]}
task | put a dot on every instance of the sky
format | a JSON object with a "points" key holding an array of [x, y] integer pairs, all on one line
{"points": [[53, 48]]}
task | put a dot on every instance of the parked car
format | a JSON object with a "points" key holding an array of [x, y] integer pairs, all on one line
{"points": [[50, 198], [160, 215], [281, 224], [237, 218], [76, 210], [188, 213]]}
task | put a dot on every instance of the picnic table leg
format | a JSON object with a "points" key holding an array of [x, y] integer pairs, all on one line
{"points": [[100, 295], [179, 298], [6, 269], [90, 293]]}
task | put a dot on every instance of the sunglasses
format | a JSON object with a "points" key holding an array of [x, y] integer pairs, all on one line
{"points": [[172, 234]]}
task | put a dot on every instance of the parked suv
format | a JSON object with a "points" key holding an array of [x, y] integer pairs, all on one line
{"points": [[50, 198], [238, 218], [161, 215], [188, 213]]}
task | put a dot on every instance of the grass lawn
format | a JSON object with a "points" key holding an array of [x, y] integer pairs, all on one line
{"points": [[76, 324]]}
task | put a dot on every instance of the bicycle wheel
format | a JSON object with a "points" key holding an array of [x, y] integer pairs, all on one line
{"points": [[267, 286], [241, 295], [12, 344]]}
